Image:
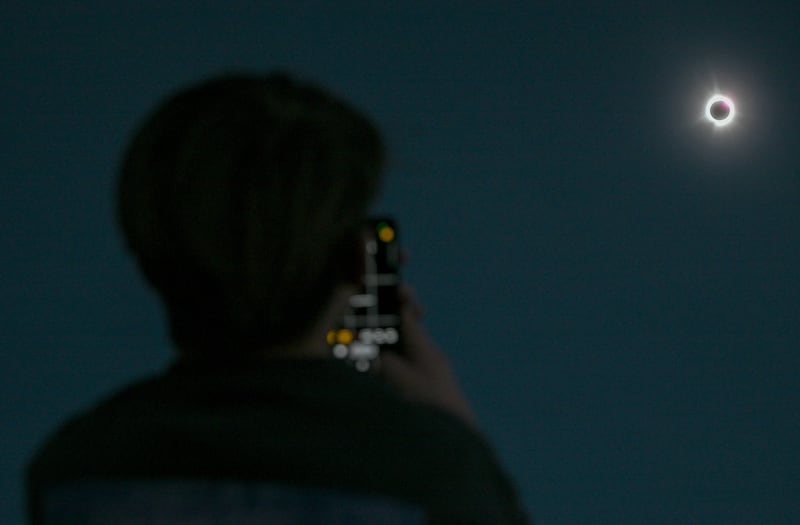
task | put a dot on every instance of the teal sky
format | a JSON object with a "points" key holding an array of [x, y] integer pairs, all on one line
{"points": [[616, 281]]}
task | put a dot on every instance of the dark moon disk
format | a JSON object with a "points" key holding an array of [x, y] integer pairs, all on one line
{"points": [[719, 110]]}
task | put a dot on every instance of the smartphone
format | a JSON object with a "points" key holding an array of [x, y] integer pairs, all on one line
{"points": [[372, 322]]}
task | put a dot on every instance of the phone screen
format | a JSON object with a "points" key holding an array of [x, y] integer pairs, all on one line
{"points": [[372, 323]]}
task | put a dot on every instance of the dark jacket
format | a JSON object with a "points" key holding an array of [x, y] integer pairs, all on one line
{"points": [[301, 421]]}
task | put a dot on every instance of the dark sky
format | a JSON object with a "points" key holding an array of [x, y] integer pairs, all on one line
{"points": [[616, 282]]}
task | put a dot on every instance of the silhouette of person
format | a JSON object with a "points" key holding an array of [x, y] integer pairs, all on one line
{"points": [[242, 199]]}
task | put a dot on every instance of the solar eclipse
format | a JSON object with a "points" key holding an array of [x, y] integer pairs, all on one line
{"points": [[720, 110]]}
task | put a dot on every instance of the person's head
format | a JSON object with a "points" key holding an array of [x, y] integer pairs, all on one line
{"points": [[242, 199]]}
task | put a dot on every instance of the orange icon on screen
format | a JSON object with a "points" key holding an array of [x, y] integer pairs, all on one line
{"points": [[386, 233], [344, 336]]}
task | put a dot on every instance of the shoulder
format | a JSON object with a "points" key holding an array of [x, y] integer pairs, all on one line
{"points": [[315, 423]]}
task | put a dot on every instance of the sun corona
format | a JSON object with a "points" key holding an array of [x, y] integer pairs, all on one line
{"points": [[720, 110]]}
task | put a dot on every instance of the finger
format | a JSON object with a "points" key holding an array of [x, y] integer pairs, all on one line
{"points": [[417, 346], [408, 298], [405, 292]]}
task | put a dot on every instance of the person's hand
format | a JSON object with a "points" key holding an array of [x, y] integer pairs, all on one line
{"points": [[421, 370]]}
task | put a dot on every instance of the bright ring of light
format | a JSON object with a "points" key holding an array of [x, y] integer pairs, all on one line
{"points": [[720, 121]]}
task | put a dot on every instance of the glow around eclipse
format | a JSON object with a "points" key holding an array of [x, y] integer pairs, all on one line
{"points": [[720, 110]]}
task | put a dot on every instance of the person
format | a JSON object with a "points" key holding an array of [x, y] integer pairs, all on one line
{"points": [[242, 199]]}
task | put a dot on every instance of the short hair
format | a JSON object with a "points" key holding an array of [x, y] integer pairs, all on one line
{"points": [[241, 198]]}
